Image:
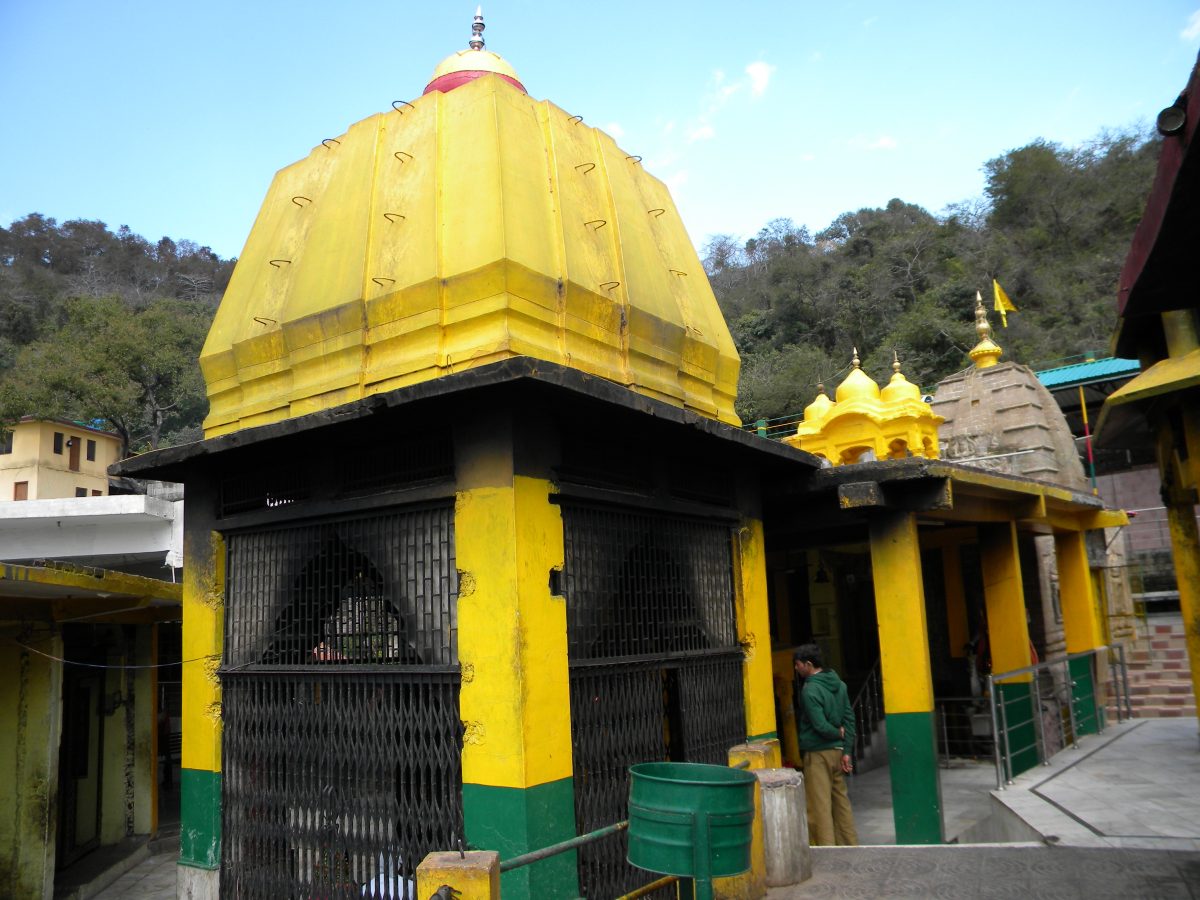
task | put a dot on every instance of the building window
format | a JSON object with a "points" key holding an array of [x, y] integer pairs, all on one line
{"points": [[97, 493], [58, 442], [21, 490], [6, 440], [91, 451], [80, 492]]}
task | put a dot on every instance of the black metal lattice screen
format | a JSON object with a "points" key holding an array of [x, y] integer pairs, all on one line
{"points": [[656, 670], [374, 590], [645, 584], [342, 739]]}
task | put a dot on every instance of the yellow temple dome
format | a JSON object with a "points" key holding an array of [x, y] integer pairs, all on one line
{"points": [[866, 424], [899, 388], [473, 225], [820, 405], [858, 385]]}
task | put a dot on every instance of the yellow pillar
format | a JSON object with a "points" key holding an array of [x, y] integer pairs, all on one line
{"points": [[1185, 548], [1008, 639], [200, 768], [1081, 622], [907, 678], [518, 792], [754, 631], [956, 601], [753, 883], [1004, 596]]}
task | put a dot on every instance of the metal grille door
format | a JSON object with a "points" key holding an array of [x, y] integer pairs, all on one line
{"points": [[342, 740], [655, 666]]}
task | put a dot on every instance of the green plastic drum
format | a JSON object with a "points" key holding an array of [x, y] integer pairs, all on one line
{"points": [[690, 819]]}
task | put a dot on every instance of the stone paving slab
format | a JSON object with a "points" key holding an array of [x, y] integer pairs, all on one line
{"points": [[997, 872]]}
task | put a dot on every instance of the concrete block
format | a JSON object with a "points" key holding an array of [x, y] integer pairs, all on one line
{"points": [[785, 827], [198, 884]]}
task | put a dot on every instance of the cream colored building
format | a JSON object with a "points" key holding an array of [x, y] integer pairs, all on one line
{"points": [[45, 459]]}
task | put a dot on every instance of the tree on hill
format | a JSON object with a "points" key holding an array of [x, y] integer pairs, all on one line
{"points": [[105, 327], [1053, 227]]}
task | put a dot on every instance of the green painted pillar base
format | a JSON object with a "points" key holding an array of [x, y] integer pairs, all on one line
{"points": [[200, 818], [916, 786], [513, 821], [1020, 727], [1083, 695]]}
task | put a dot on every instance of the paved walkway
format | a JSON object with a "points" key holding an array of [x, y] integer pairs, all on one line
{"points": [[152, 879]]}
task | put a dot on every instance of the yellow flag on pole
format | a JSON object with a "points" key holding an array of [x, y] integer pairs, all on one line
{"points": [[1003, 305]]}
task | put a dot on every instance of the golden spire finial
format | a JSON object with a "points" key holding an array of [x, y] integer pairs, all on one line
{"points": [[854, 360], [896, 361], [477, 26], [987, 352]]}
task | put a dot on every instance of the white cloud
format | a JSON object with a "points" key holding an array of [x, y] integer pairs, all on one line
{"points": [[867, 23], [807, 157], [760, 76], [1191, 31], [615, 129], [883, 142], [701, 132]]}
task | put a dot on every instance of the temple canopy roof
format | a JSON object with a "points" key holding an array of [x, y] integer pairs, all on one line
{"points": [[472, 225]]}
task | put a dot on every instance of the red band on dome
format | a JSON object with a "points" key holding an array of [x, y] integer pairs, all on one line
{"points": [[451, 80]]}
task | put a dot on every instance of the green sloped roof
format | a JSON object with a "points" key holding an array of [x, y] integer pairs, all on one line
{"points": [[1089, 372]]}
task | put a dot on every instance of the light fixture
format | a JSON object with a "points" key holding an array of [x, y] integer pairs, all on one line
{"points": [[1172, 119]]}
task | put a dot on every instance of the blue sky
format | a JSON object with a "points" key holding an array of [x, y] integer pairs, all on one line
{"points": [[172, 118]]}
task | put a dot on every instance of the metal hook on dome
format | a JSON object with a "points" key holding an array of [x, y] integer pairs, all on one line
{"points": [[590, 166], [380, 281], [263, 320], [402, 103], [300, 197], [656, 212], [635, 158], [575, 119], [402, 156], [392, 217], [599, 223], [325, 143], [279, 263], [609, 285], [677, 272]]}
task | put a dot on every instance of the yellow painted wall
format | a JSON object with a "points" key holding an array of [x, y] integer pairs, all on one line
{"points": [[48, 473]]}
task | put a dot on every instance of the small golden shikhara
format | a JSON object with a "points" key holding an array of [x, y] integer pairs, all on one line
{"points": [[864, 423], [470, 225]]}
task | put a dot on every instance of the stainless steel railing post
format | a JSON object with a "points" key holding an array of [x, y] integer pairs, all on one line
{"points": [[995, 733], [1071, 703]]}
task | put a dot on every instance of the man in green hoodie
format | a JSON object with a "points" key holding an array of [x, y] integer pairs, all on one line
{"points": [[826, 732]]}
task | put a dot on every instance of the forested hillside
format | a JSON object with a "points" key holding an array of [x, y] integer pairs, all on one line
{"points": [[106, 327], [1053, 227]]}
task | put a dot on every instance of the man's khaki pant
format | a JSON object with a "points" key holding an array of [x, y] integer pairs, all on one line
{"points": [[830, 821]]}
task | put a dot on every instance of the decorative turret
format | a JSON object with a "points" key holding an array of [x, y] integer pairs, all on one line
{"points": [[472, 225], [464, 66], [866, 423], [987, 352]]}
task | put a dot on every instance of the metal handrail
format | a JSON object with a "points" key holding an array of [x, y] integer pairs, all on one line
{"points": [[868, 709], [1074, 707]]}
